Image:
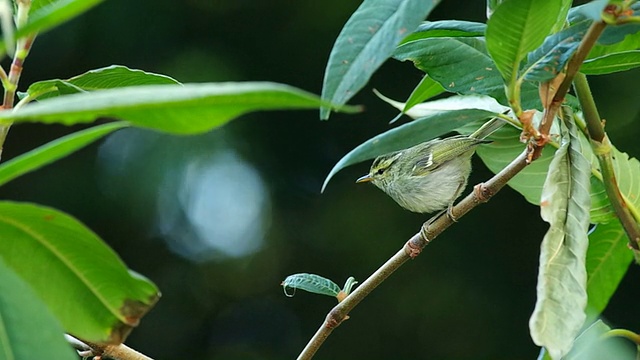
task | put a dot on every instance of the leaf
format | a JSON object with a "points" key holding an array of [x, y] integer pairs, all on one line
{"points": [[561, 290], [368, 39], [546, 62], [179, 109], [312, 283], [53, 151], [612, 63], [586, 343], [608, 259], [516, 28], [25, 321], [456, 102], [426, 89], [113, 76], [446, 28], [505, 147], [461, 65], [82, 281], [611, 34], [631, 42], [44, 17], [407, 135]]}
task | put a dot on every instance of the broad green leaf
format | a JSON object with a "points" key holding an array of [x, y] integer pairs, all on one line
{"points": [[561, 19], [82, 281], [608, 259], [506, 146], [549, 59], [631, 42], [114, 76], [612, 63], [426, 89], [312, 283], [366, 41], [179, 109], [46, 16], [461, 65], [516, 28], [27, 329], [446, 28], [53, 151], [562, 279], [409, 134]]}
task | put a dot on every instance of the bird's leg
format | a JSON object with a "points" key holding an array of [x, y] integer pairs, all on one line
{"points": [[461, 185]]}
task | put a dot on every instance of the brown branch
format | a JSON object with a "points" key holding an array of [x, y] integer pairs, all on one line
{"points": [[412, 248], [550, 110], [115, 352]]}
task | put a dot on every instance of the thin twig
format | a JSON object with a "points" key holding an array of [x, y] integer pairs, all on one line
{"points": [[115, 352]]}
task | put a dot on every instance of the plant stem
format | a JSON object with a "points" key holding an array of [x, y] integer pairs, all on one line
{"points": [[572, 68], [602, 149]]}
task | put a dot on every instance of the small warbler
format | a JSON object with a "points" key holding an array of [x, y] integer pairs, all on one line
{"points": [[429, 176]]}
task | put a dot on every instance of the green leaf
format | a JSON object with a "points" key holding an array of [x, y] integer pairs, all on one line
{"points": [[365, 42], [612, 63], [516, 28], [114, 76], [426, 89], [455, 102], [608, 259], [27, 329], [461, 65], [505, 147], [53, 151], [409, 134], [561, 291], [312, 283], [611, 34], [446, 28], [588, 341], [630, 42], [44, 17], [82, 281], [179, 109], [549, 59]]}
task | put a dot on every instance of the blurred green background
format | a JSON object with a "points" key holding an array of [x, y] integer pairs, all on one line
{"points": [[219, 220]]}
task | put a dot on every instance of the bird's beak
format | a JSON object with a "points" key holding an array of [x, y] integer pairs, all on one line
{"points": [[365, 178]]}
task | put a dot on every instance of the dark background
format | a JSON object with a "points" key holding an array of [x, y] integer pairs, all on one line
{"points": [[217, 221]]}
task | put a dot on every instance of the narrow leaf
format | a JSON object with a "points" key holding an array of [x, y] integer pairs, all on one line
{"points": [[608, 259], [426, 89], [53, 151], [446, 28], [366, 41], [179, 109], [27, 329], [407, 135], [561, 291], [82, 281], [99, 79], [612, 63], [312, 283], [516, 28]]}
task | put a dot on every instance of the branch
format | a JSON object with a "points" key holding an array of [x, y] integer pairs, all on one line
{"points": [[430, 230], [551, 109], [116, 352]]}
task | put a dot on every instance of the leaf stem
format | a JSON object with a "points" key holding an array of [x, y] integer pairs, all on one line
{"points": [[602, 148], [115, 352]]}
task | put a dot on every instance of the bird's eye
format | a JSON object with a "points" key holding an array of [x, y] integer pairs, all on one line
{"points": [[380, 171]]}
